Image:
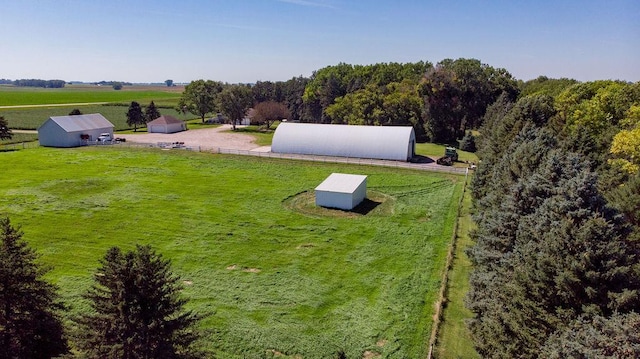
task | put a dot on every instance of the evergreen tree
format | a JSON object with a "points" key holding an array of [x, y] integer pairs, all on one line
{"points": [[136, 309], [135, 116], [468, 142], [548, 249], [617, 336], [151, 112], [30, 326], [5, 132]]}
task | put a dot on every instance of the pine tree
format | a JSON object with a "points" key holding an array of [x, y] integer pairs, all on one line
{"points": [[617, 336], [135, 116], [548, 250], [468, 142], [30, 326], [136, 309], [5, 132], [151, 112]]}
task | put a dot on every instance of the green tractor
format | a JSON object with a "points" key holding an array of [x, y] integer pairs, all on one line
{"points": [[450, 156]]}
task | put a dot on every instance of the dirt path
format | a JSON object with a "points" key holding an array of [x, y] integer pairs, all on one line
{"points": [[54, 105], [207, 137]]}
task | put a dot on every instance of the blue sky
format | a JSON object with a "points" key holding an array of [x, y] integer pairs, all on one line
{"points": [[250, 40]]}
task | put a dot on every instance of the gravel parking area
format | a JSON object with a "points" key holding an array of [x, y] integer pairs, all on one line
{"points": [[207, 137]]}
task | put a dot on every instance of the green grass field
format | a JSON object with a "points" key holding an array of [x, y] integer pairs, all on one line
{"points": [[455, 340], [30, 118], [21, 96], [273, 273]]}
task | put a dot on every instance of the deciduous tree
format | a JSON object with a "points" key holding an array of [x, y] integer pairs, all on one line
{"points": [[135, 116], [136, 309], [199, 97], [234, 101], [269, 112], [30, 324]]}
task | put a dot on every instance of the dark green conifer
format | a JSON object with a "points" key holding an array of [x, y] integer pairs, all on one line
{"points": [[136, 309], [30, 326]]}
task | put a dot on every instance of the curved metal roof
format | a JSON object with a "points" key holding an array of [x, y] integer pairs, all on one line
{"points": [[380, 142]]}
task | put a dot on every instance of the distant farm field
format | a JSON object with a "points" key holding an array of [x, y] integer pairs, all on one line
{"points": [[31, 112], [274, 274], [21, 96]]}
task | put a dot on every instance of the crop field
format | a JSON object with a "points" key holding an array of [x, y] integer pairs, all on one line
{"points": [[32, 118], [274, 275], [22, 96], [114, 109]]}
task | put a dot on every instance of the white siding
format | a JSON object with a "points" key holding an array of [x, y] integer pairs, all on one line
{"points": [[379, 142], [65, 131], [166, 128], [343, 191]]}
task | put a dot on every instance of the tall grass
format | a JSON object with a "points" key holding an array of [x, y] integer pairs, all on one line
{"points": [[269, 278], [455, 339]]}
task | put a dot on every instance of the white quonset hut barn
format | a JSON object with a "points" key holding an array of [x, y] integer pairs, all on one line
{"points": [[343, 191], [73, 131], [166, 124], [378, 142]]}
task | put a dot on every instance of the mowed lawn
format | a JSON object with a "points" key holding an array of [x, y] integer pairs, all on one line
{"points": [[272, 274]]}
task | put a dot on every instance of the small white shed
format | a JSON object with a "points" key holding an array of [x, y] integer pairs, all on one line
{"points": [[343, 191], [166, 124], [73, 131]]}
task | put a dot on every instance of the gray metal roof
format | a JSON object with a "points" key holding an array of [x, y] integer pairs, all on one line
{"points": [[81, 122], [341, 183], [383, 142], [164, 120]]}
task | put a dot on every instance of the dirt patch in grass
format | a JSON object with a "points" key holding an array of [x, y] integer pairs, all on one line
{"points": [[187, 282], [370, 355], [232, 267], [382, 342], [375, 204], [251, 270]]}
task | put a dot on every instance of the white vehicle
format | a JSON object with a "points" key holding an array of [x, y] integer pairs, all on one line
{"points": [[105, 137]]}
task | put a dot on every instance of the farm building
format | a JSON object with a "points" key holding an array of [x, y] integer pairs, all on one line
{"points": [[378, 142], [73, 131], [166, 124], [343, 191]]}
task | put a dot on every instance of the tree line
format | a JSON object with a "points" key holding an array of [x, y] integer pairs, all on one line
{"points": [[34, 83], [556, 270], [135, 307], [441, 102]]}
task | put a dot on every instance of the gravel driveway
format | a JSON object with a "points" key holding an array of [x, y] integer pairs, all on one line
{"points": [[206, 137]]}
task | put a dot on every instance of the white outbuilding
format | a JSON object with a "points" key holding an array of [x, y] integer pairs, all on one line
{"points": [[166, 124], [343, 191], [377, 142], [73, 131]]}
